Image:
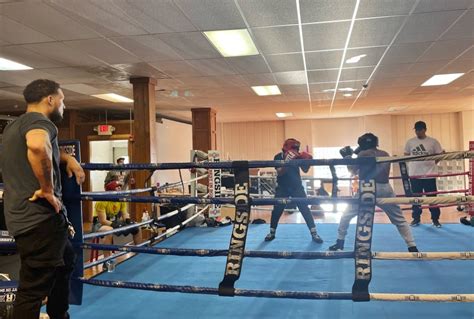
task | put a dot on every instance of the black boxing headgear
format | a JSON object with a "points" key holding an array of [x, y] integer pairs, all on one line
{"points": [[368, 141], [291, 144]]}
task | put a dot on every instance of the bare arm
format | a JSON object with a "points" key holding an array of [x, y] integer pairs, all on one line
{"points": [[40, 157], [72, 167], [103, 217]]}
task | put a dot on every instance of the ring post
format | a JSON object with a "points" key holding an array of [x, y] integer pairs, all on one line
{"points": [[72, 201]]}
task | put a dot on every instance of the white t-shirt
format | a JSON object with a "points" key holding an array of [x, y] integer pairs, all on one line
{"points": [[426, 146]]}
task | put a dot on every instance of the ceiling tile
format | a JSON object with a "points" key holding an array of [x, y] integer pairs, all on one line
{"points": [[380, 8], [156, 16], [294, 77], [47, 20], [104, 50], [392, 70], [285, 62], [248, 64], [320, 76], [323, 59], [259, 79], [326, 10], [300, 89], [17, 33], [209, 67], [278, 39], [212, 14], [141, 70], [373, 32], [149, 48], [22, 78], [463, 28], [405, 53], [325, 36], [190, 45], [27, 57], [176, 68], [442, 5], [103, 16], [354, 74], [445, 50], [425, 27], [425, 68], [260, 13], [58, 51]]}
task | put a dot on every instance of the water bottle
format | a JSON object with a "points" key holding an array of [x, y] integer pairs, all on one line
{"points": [[110, 265]]}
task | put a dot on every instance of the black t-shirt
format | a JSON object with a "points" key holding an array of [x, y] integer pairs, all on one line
{"points": [[19, 180], [291, 177]]}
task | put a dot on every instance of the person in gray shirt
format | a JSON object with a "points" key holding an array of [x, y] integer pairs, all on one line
{"points": [[34, 213], [368, 148]]}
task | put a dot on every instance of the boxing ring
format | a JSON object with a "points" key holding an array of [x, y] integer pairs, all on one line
{"points": [[318, 266]]}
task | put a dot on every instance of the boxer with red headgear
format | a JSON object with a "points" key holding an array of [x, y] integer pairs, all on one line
{"points": [[289, 184]]}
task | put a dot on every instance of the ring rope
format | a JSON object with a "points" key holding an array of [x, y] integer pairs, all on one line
{"points": [[436, 157], [426, 200]]}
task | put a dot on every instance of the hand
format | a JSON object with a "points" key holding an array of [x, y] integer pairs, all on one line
{"points": [[49, 196], [304, 155], [291, 154], [74, 168], [346, 151]]}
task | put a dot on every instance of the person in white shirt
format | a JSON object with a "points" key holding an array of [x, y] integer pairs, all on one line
{"points": [[423, 145]]}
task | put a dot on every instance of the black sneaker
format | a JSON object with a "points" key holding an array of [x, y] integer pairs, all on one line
{"points": [[270, 237], [436, 224], [413, 249], [338, 246], [415, 222], [316, 238]]}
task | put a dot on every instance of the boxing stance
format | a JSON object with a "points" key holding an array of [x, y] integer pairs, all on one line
{"points": [[112, 215], [289, 184], [368, 148]]}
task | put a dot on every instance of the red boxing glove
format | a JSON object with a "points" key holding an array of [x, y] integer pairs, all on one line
{"points": [[291, 154], [304, 155]]}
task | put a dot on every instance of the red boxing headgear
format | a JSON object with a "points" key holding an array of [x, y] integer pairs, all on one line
{"points": [[291, 144], [112, 186]]}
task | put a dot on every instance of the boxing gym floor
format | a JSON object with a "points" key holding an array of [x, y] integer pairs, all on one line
{"points": [[304, 275]]}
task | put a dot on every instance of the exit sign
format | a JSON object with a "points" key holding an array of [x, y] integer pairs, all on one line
{"points": [[104, 129]]}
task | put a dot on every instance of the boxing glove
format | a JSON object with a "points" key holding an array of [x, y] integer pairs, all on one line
{"points": [[117, 223], [291, 154], [346, 151], [304, 155]]}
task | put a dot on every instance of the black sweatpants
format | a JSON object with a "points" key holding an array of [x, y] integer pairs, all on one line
{"points": [[278, 209], [421, 186], [47, 262]]}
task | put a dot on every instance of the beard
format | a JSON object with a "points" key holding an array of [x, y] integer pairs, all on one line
{"points": [[56, 117]]}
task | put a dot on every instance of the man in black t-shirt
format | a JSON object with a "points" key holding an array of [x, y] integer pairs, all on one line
{"points": [[289, 184], [34, 212]]}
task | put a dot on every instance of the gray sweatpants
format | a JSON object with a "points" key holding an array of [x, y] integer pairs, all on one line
{"points": [[393, 212]]}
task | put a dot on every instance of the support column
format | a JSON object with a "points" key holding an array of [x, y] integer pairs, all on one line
{"points": [[143, 144], [204, 129]]}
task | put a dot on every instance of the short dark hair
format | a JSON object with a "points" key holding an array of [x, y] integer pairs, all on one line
{"points": [[39, 89]]}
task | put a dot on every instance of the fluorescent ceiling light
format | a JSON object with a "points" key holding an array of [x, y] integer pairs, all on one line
{"points": [[347, 94], [356, 58], [232, 42], [266, 90], [280, 115], [442, 79], [9, 65], [347, 89], [112, 97]]}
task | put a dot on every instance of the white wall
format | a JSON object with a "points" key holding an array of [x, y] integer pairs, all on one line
{"points": [[102, 152], [174, 144]]}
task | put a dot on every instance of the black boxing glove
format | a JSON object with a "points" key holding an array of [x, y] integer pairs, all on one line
{"points": [[346, 151], [117, 223]]}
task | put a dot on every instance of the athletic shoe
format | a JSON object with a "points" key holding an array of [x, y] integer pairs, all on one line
{"points": [[415, 222], [270, 237], [316, 238], [413, 249], [338, 246], [436, 224]]}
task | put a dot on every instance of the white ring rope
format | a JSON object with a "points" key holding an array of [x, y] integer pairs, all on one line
{"points": [[436, 157], [466, 255], [460, 200], [423, 297]]}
